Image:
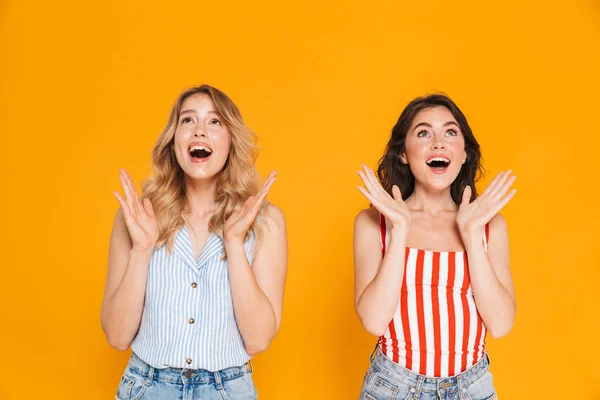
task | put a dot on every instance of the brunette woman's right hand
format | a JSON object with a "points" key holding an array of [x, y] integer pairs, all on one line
{"points": [[393, 208], [139, 216]]}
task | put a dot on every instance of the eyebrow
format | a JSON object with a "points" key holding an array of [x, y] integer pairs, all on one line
{"points": [[194, 112], [427, 124]]}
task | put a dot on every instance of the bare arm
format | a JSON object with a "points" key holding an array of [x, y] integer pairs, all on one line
{"points": [[491, 279], [131, 244], [378, 279], [257, 291], [490, 272]]}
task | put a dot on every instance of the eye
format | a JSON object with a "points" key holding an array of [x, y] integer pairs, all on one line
{"points": [[187, 120], [451, 132], [422, 133], [215, 121]]}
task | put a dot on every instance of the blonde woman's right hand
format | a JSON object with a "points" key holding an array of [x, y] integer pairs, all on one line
{"points": [[139, 216], [393, 208]]}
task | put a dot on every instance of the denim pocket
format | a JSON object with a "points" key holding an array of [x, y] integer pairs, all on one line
{"points": [[240, 388], [132, 386], [379, 386], [482, 388]]}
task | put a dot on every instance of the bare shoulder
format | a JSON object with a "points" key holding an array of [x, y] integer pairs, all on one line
{"points": [[273, 217], [367, 218], [498, 225]]}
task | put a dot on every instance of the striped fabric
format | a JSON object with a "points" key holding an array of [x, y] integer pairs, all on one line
{"points": [[188, 319], [436, 330]]}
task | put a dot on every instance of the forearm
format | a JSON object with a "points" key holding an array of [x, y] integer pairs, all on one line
{"points": [[494, 302], [122, 312], [254, 313], [378, 302]]}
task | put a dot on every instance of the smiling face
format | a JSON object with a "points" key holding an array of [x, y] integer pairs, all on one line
{"points": [[435, 148], [202, 141]]}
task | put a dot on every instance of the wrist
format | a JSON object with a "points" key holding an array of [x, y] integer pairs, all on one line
{"points": [[141, 253], [232, 243]]}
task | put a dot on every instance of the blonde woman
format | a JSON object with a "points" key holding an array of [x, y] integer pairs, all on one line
{"points": [[197, 265]]}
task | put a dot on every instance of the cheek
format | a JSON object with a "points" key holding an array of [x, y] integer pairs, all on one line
{"points": [[223, 141], [415, 150]]}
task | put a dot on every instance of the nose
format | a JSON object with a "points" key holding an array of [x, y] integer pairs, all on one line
{"points": [[437, 143], [199, 132]]}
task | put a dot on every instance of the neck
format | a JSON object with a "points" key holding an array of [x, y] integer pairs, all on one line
{"points": [[201, 195], [431, 201]]}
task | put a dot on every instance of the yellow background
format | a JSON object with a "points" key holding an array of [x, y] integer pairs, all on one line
{"points": [[86, 89]]}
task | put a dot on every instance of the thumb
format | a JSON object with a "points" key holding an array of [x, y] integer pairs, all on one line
{"points": [[466, 196], [148, 207], [396, 193]]}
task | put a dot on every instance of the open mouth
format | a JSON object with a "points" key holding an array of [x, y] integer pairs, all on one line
{"points": [[438, 164], [199, 153]]}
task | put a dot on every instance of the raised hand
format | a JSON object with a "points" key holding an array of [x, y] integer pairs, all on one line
{"points": [[472, 217], [394, 208], [239, 222], [139, 217]]}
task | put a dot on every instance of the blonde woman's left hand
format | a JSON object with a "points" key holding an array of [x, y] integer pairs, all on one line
{"points": [[472, 217], [239, 222]]}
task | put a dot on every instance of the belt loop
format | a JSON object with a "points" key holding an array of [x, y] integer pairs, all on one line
{"points": [[218, 382], [149, 377], [371, 358], [420, 383], [250, 366], [461, 388]]}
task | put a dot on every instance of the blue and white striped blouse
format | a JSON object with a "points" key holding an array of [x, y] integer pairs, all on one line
{"points": [[188, 319]]}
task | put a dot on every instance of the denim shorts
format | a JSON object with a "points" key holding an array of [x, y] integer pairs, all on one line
{"points": [[141, 381], [386, 380]]}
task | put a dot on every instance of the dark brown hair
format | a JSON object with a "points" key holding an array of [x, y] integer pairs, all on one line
{"points": [[392, 171]]}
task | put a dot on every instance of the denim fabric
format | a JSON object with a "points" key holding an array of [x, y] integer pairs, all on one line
{"points": [[386, 380], [141, 381]]}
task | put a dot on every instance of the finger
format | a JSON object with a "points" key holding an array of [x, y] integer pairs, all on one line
{"points": [[262, 195], [123, 203], [148, 207], [375, 202], [496, 190], [500, 205], [129, 195], [396, 193], [501, 191], [268, 182], [137, 203], [506, 199], [369, 184], [373, 178], [466, 196], [492, 184]]}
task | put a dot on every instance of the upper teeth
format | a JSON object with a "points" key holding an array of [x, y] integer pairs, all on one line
{"points": [[194, 148], [438, 159]]}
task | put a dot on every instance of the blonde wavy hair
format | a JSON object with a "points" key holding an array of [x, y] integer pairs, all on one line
{"points": [[237, 181]]}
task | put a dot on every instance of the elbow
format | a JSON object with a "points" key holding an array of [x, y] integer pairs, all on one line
{"points": [[254, 348], [121, 346], [116, 340], [118, 343], [372, 322], [376, 328], [501, 330]]}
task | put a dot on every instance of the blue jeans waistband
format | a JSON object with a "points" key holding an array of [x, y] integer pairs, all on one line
{"points": [[426, 383], [183, 375]]}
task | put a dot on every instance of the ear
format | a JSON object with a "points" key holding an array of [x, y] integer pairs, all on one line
{"points": [[403, 158], [464, 159]]}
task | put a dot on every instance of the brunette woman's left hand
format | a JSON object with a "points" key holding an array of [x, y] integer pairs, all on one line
{"points": [[472, 217], [239, 222]]}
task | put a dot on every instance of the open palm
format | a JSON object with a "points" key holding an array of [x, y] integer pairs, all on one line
{"points": [[139, 216]]}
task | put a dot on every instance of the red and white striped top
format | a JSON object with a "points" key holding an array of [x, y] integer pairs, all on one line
{"points": [[436, 330]]}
